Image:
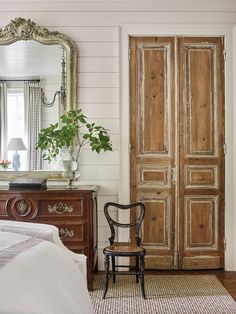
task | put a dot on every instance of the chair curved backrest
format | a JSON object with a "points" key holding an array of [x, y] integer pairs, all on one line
{"points": [[136, 223]]}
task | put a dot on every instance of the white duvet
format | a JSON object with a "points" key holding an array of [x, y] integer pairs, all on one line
{"points": [[42, 279]]}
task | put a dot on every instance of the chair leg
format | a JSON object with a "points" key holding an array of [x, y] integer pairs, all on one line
{"points": [[106, 275], [113, 268], [137, 269], [142, 276]]}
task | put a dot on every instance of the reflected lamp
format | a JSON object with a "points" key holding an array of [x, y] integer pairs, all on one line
{"points": [[16, 144]]}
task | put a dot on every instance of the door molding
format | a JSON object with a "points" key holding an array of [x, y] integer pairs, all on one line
{"points": [[229, 32]]}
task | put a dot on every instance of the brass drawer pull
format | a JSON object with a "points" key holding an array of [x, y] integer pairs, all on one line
{"points": [[65, 233], [60, 208]]}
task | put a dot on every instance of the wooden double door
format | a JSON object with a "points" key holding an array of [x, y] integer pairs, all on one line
{"points": [[177, 149]]}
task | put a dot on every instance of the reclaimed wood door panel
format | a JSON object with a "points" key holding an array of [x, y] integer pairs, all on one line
{"points": [[177, 140], [156, 235], [201, 171], [152, 124]]}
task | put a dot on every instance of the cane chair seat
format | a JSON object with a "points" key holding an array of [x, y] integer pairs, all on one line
{"points": [[124, 248]]}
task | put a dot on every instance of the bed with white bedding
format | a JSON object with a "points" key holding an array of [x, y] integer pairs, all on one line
{"points": [[39, 275]]}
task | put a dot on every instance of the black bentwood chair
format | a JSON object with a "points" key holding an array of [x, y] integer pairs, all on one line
{"points": [[124, 249]]}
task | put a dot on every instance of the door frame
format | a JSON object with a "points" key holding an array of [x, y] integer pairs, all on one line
{"points": [[229, 32]]}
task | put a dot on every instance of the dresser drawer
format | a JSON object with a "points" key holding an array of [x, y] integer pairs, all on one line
{"points": [[70, 232], [28, 206], [62, 207]]}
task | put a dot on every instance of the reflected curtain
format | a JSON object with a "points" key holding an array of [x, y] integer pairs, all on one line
{"points": [[32, 94], [3, 120]]}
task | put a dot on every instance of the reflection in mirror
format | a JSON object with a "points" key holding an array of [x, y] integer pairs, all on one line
{"points": [[38, 79], [31, 73]]}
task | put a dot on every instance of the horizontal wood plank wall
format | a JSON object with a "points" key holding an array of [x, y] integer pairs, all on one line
{"points": [[94, 25]]}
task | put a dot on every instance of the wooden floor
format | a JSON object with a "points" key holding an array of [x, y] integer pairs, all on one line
{"points": [[227, 278]]}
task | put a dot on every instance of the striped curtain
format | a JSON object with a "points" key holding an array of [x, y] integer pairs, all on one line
{"points": [[3, 120], [32, 95]]}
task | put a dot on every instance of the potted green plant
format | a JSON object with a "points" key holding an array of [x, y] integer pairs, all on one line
{"points": [[68, 137]]}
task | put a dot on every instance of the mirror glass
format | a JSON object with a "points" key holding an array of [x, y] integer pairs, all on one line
{"points": [[38, 83], [21, 63]]}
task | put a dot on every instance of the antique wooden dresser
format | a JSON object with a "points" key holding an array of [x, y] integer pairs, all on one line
{"points": [[73, 211]]}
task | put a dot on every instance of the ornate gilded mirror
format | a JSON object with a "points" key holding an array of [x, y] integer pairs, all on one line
{"points": [[38, 82]]}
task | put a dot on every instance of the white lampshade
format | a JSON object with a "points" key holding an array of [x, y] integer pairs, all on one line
{"points": [[16, 143]]}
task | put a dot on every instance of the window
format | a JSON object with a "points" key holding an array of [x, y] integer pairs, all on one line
{"points": [[16, 118]]}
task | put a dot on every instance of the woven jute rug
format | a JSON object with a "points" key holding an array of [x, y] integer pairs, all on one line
{"points": [[165, 294]]}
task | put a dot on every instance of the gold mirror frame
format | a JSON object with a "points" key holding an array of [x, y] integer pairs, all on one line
{"points": [[22, 29]]}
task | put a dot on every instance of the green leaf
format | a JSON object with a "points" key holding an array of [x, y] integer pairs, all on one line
{"points": [[68, 133]]}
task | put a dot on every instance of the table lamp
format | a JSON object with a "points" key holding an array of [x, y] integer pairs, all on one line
{"points": [[16, 144]]}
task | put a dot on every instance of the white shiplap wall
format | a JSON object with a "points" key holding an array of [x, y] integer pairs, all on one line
{"points": [[94, 25]]}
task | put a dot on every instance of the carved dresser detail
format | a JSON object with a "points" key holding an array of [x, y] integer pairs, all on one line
{"points": [[73, 211]]}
